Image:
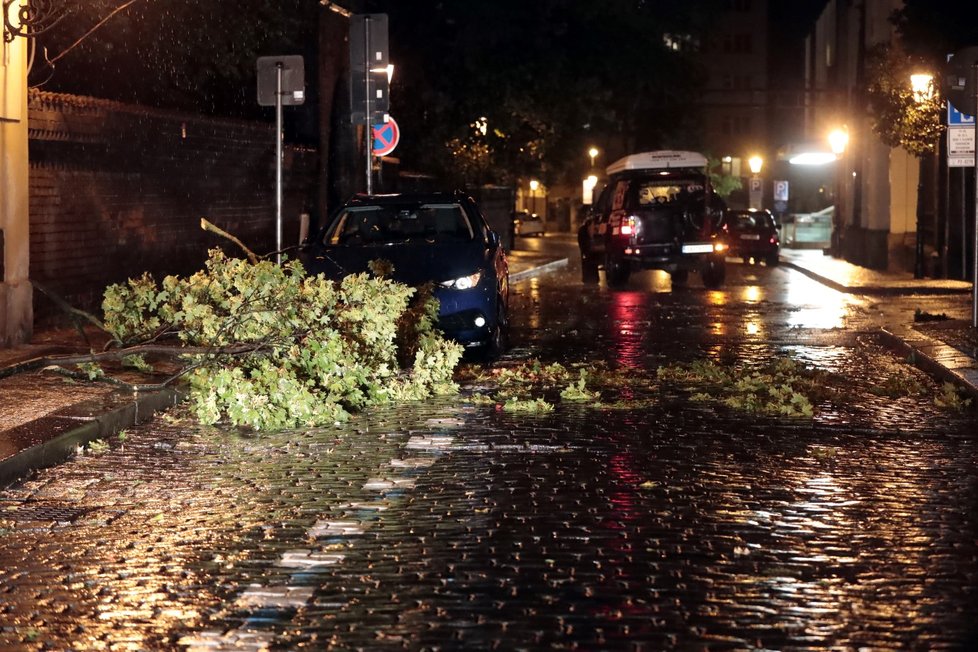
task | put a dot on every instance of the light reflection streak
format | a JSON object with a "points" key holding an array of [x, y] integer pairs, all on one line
{"points": [[818, 306], [752, 294], [533, 292], [628, 328]]}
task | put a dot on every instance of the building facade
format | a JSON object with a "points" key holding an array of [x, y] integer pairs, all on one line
{"points": [[876, 188]]}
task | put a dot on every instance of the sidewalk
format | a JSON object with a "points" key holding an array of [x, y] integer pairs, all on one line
{"points": [[45, 417], [948, 353]]}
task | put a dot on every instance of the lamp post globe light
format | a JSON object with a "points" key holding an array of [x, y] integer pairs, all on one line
{"points": [[593, 153], [534, 186]]}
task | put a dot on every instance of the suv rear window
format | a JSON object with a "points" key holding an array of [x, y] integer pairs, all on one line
{"points": [[667, 191]]}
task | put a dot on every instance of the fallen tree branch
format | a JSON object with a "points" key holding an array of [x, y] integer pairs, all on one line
{"points": [[207, 226], [117, 354]]}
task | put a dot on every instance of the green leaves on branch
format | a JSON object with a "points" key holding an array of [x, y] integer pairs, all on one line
{"points": [[900, 118], [285, 349]]}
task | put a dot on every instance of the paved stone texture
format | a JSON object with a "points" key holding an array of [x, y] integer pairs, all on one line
{"points": [[456, 525]]}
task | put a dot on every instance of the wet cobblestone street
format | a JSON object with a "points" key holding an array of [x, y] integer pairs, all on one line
{"points": [[456, 524]]}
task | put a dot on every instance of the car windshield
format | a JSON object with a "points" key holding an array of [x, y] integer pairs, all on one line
{"points": [[384, 224]]}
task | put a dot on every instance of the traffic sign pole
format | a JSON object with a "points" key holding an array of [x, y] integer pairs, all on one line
{"points": [[368, 140], [974, 243], [278, 164]]}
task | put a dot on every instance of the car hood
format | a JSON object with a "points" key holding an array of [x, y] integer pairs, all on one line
{"points": [[414, 262]]}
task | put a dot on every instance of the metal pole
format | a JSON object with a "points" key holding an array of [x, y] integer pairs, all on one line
{"points": [[974, 242], [368, 138], [946, 214], [278, 164], [918, 253]]}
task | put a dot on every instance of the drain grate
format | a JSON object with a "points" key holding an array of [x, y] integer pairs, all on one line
{"points": [[46, 512]]}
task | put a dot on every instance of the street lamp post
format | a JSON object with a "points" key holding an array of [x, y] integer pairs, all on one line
{"points": [[838, 140], [755, 163], [923, 90], [534, 185]]}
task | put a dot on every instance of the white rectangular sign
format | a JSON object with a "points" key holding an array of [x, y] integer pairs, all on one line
{"points": [[960, 147]]}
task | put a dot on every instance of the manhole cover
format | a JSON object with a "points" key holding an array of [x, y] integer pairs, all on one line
{"points": [[46, 512]]}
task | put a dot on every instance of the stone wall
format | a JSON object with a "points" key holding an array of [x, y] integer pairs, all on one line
{"points": [[117, 189]]}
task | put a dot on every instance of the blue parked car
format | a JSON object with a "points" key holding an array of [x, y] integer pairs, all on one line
{"points": [[440, 238]]}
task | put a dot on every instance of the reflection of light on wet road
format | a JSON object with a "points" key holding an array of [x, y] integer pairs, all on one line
{"points": [[817, 306], [532, 289], [627, 311], [752, 294]]}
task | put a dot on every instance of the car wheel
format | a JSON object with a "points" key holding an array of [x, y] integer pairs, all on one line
{"points": [[714, 274], [772, 260], [679, 277], [617, 271], [499, 338], [589, 269]]}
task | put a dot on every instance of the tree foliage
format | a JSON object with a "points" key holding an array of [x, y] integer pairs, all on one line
{"points": [[177, 53], [507, 89], [899, 118], [272, 347]]}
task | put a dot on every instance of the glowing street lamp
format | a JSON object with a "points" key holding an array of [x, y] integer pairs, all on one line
{"points": [[593, 153], [922, 84], [839, 140], [755, 163]]}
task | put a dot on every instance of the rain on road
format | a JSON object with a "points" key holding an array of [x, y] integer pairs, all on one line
{"points": [[458, 525]]}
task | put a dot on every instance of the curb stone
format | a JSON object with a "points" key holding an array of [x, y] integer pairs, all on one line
{"points": [[936, 358], [54, 450]]}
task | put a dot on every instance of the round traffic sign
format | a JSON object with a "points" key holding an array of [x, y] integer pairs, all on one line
{"points": [[386, 137]]}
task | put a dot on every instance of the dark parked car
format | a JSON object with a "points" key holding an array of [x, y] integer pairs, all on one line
{"points": [[752, 234], [440, 238], [657, 211]]}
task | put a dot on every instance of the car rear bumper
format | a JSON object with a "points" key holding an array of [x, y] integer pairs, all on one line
{"points": [[669, 257]]}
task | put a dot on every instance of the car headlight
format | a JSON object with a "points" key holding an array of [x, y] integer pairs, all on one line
{"points": [[463, 282]]}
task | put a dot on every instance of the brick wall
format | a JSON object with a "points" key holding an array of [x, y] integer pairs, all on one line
{"points": [[118, 189]]}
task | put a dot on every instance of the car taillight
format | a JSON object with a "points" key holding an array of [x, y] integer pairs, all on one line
{"points": [[774, 240], [629, 226]]}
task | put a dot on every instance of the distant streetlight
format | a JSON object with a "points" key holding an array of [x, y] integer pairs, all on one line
{"points": [[755, 163], [838, 140], [593, 153], [534, 185]]}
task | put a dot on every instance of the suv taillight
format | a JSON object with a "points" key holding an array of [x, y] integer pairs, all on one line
{"points": [[629, 226]]}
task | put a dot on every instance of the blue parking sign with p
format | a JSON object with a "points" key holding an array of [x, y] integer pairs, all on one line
{"points": [[955, 117]]}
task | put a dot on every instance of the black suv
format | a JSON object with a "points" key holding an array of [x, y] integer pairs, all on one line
{"points": [[657, 211]]}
